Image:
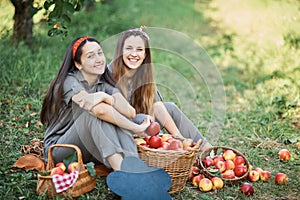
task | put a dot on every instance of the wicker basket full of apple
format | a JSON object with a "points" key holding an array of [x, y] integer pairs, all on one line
{"points": [[225, 162], [175, 155]]}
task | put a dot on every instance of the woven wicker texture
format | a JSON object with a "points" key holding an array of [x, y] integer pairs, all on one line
{"points": [[177, 163], [223, 148], [84, 183]]}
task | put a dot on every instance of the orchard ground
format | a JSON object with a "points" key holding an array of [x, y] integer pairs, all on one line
{"points": [[255, 46]]}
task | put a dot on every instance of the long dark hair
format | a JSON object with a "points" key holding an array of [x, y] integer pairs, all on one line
{"points": [[143, 86], [53, 99]]}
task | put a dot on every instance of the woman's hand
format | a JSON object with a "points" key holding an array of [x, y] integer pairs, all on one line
{"points": [[140, 129], [178, 136], [88, 101]]}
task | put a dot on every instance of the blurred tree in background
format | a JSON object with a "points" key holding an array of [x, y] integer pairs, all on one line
{"points": [[57, 12]]}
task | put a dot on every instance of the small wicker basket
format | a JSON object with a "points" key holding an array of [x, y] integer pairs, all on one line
{"points": [[223, 148], [177, 163], [84, 183]]}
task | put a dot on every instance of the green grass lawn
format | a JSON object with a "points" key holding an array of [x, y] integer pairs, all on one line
{"points": [[254, 47]]}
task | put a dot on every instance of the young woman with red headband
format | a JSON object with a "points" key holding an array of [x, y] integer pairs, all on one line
{"points": [[81, 108], [133, 73]]}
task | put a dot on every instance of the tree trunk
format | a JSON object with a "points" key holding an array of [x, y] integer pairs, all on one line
{"points": [[22, 21]]}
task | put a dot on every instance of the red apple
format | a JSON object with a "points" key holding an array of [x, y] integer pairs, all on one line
{"points": [[240, 170], [229, 154], [228, 174], [57, 170], [239, 160], [284, 154], [258, 169], [147, 138], [61, 165], [217, 182], [165, 145], [247, 189], [73, 166], [265, 175], [281, 178], [217, 158], [175, 145], [155, 142], [194, 171], [165, 137], [153, 129], [196, 179], [187, 143], [253, 176], [229, 164], [207, 162], [220, 165], [205, 185]]}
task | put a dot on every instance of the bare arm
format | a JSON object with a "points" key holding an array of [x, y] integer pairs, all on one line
{"points": [[88, 100], [162, 115], [109, 114], [122, 105]]}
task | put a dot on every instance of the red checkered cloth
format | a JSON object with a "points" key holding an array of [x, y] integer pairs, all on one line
{"points": [[64, 182]]}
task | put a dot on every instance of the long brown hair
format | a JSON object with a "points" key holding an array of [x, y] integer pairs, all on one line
{"points": [[53, 100], [143, 86]]}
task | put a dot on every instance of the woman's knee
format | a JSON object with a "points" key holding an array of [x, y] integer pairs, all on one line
{"points": [[171, 107]]}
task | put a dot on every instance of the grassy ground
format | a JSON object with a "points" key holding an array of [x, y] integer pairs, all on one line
{"points": [[255, 46]]}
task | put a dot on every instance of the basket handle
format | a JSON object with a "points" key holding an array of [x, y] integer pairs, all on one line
{"points": [[50, 163]]}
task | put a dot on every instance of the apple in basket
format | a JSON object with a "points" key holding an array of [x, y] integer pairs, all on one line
{"points": [[155, 141], [57, 170], [240, 170], [61, 165], [73, 166], [187, 143], [176, 145]]}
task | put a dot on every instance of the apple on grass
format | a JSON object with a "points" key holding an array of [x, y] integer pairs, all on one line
{"points": [[205, 185], [258, 169], [265, 175], [281, 178], [153, 128], [217, 182], [284, 154], [253, 176], [247, 188], [220, 165], [194, 171], [196, 179], [57, 170], [229, 154]]}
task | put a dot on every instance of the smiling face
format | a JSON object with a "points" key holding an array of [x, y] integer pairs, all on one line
{"points": [[93, 61], [133, 52]]}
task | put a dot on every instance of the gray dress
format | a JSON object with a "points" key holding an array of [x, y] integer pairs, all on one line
{"points": [[97, 139]]}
